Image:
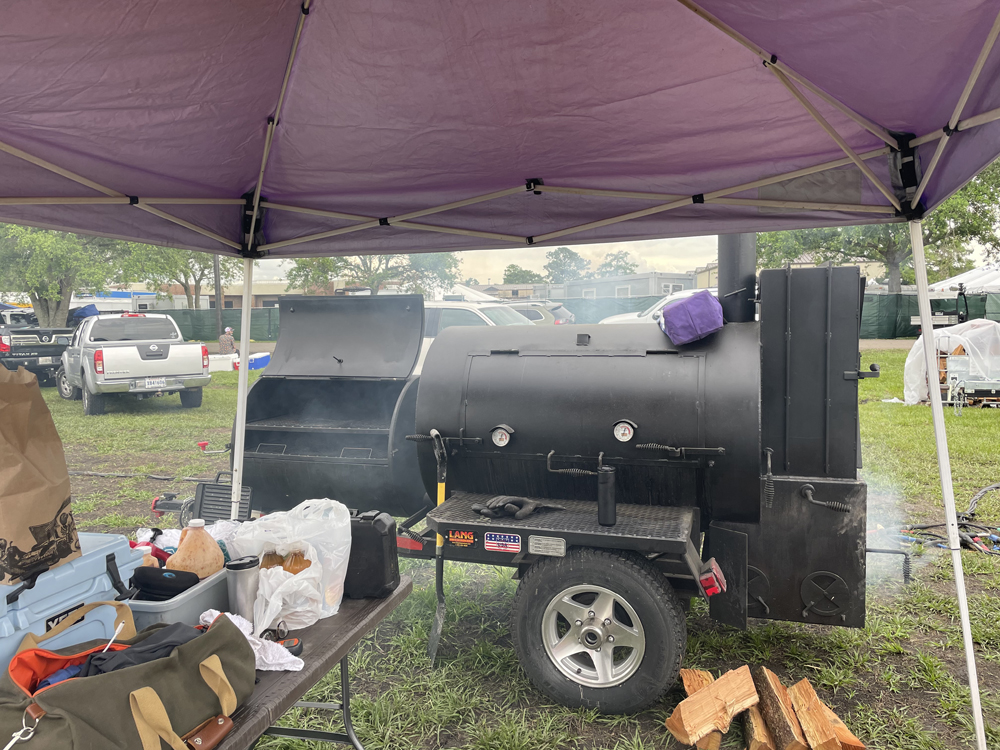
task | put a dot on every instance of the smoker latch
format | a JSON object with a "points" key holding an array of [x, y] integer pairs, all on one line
{"points": [[682, 453], [874, 372]]}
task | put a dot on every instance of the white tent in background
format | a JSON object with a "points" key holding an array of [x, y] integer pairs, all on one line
{"points": [[982, 279]]}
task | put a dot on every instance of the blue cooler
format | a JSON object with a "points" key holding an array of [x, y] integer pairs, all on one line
{"points": [[259, 361], [107, 560]]}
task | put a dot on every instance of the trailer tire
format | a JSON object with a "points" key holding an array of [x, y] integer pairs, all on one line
{"points": [[191, 398], [66, 389], [646, 614], [93, 403]]}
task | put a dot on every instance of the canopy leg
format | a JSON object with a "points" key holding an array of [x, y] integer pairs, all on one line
{"points": [[241, 390], [944, 468]]}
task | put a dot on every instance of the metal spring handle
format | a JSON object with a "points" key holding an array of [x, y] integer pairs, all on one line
{"points": [[573, 471]]}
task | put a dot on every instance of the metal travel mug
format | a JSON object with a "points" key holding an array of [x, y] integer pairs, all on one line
{"points": [[607, 514], [243, 575]]}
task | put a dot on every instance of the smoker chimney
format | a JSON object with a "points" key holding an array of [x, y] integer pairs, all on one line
{"points": [[737, 276]]}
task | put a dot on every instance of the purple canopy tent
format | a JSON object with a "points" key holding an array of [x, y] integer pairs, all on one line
{"points": [[265, 128]]}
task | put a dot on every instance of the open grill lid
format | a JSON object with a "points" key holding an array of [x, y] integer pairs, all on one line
{"points": [[348, 337]]}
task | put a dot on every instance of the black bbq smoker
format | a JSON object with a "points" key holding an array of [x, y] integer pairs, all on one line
{"points": [[732, 462]]}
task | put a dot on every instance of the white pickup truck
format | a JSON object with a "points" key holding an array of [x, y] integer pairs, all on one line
{"points": [[133, 353]]}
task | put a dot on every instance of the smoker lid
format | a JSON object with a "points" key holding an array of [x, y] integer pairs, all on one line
{"points": [[375, 337]]}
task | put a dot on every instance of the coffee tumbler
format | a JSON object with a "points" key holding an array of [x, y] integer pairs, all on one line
{"points": [[243, 575]]}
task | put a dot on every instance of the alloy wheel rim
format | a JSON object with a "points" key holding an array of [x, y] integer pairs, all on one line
{"points": [[593, 636]]}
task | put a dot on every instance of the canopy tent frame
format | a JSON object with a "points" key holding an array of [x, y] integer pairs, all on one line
{"points": [[404, 221], [896, 210]]}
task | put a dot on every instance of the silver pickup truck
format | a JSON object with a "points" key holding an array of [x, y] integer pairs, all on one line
{"points": [[133, 353]]}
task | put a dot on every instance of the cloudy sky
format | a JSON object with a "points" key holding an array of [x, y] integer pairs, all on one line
{"points": [[486, 266]]}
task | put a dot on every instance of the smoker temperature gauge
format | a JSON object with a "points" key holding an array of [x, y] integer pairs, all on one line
{"points": [[500, 437], [624, 431]]}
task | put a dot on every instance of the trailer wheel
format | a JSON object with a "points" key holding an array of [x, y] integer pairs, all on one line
{"points": [[191, 398], [93, 403], [66, 389], [599, 629]]}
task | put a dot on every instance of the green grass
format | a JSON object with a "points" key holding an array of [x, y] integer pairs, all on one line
{"points": [[149, 428], [898, 683]]}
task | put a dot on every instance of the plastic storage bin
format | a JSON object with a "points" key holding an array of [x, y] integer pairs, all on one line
{"points": [[57, 592], [211, 593]]}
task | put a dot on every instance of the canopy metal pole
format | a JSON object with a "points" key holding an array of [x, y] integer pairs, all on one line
{"points": [[831, 131], [984, 53], [37, 161], [871, 127], [242, 387], [944, 469]]}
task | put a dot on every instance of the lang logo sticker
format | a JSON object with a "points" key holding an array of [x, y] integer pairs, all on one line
{"points": [[502, 542], [461, 538]]}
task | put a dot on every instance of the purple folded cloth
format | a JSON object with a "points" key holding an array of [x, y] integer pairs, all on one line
{"points": [[691, 318]]}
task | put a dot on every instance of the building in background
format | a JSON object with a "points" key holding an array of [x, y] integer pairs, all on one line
{"points": [[707, 277], [649, 284]]}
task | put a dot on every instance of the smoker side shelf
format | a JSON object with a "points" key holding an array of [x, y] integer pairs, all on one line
{"points": [[285, 424], [646, 528]]}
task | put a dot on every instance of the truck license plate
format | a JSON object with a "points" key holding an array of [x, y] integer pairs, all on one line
{"points": [[156, 382], [46, 360]]}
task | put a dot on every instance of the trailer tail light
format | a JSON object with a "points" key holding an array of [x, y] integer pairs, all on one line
{"points": [[4, 344], [711, 578], [204, 356], [99, 361]]}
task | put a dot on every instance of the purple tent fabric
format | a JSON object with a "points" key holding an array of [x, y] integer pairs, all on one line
{"points": [[395, 107]]}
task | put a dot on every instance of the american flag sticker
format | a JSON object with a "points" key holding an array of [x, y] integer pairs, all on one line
{"points": [[502, 542]]}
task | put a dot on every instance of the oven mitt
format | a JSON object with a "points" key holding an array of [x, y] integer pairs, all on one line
{"points": [[509, 505]]}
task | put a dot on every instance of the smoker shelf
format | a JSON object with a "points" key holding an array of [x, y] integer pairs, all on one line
{"points": [[651, 528], [288, 424]]}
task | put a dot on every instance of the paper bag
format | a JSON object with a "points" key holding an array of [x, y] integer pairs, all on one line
{"points": [[37, 531]]}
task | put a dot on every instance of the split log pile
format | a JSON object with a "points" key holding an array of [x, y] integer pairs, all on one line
{"points": [[774, 717]]}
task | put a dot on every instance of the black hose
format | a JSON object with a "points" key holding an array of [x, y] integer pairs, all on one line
{"points": [[114, 475]]}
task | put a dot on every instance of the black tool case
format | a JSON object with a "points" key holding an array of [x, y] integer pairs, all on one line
{"points": [[373, 570]]}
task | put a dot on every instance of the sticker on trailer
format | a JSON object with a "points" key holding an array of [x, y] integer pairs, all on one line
{"points": [[552, 546], [502, 542], [460, 538]]}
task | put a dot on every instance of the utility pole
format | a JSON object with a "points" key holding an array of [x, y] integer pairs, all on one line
{"points": [[219, 303]]}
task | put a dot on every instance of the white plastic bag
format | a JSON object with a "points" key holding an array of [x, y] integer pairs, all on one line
{"points": [[325, 525], [294, 599]]}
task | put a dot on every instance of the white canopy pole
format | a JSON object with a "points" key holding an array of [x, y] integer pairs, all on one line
{"points": [[944, 468], [242, 387]]}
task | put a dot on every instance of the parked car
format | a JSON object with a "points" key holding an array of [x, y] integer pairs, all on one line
{"points": [[24, 344], [544, 313], [652, 313], [136, 354], [439, 315]]}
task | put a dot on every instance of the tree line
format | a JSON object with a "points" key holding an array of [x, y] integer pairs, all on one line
{"points": [[565, 265]]}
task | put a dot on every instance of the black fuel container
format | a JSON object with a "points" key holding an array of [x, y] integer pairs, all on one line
{"points": [[373, 570]]}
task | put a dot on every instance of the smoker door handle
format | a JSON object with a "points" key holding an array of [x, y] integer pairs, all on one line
{"points": [[874, 372], [574, 471]]}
